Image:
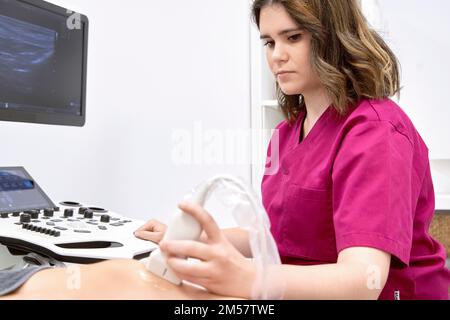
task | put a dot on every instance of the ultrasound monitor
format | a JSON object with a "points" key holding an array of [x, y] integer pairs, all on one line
{"points": [[43, 62]]}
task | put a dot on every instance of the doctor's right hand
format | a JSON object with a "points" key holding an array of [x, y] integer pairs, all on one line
{"points": [[153, 231]]}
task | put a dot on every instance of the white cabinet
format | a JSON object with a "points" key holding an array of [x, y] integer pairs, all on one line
{"points": [[266, 114], [440, 170]]}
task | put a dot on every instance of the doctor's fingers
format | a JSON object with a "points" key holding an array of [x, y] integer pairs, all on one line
{"points": [[207, 222], [186, 248], [155, 237], [190, 270], [153, 226]]}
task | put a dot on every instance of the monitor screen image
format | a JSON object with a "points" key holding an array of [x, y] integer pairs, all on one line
{"points": [[19, 192], [43, 59]]}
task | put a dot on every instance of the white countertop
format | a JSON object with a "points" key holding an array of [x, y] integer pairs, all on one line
{"points": [[442, 202]]}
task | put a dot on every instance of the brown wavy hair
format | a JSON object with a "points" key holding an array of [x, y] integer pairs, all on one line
{"points": [[351, 59]]}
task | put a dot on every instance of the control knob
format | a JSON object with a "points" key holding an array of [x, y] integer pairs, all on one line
{"points": [[105, 218], [88, 214], [25, 218], [68, 213], [48, 213]]}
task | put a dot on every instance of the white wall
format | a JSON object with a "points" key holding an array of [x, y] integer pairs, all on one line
{"points": [[419, 34], [154, 67]]}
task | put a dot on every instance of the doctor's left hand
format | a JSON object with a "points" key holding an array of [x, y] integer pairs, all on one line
{"points": [[220, 268]]}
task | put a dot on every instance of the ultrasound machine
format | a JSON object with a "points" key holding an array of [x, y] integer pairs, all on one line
{"points": [[43, 64]]}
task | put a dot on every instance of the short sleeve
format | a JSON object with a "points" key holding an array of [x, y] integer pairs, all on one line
{"points": [[372, 191]]}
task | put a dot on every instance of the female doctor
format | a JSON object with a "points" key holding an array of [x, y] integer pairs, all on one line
{"points": [[351, 203], [353, 198]]}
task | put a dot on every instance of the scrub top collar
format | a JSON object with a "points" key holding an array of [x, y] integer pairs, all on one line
{"points": [[315, 130]]}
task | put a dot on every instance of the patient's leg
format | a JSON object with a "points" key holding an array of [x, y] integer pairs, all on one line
{"points": [[115, 279]]}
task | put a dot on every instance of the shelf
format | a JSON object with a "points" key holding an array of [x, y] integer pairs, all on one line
{"points": [[271, 104], [442, 202]]}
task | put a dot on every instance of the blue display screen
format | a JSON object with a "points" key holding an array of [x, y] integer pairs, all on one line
{"points": [[19, 192], [12, 182], [41, 61], [25, 51]]}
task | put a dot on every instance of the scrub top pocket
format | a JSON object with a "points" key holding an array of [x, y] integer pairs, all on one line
{"points": [[308, 230]]}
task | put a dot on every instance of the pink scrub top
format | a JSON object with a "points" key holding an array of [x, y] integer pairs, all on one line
{"points": [[362, 180]]}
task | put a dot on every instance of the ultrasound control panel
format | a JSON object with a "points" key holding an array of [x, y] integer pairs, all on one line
{"points": [[53, 222], [68, 231]]}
